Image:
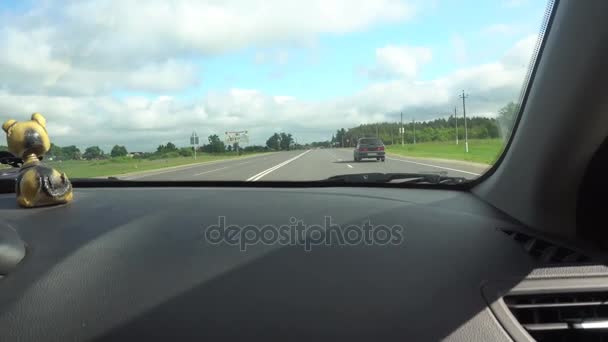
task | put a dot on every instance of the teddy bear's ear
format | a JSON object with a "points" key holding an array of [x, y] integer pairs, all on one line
{"points": [[8, 124], [39, 118]]}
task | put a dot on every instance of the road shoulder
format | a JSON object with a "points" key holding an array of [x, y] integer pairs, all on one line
{"points": [[182, 167], [481, 166]]}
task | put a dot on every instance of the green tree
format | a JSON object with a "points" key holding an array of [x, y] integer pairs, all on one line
{"points": [[170, 147], [163, 149], [186, 152], [255, 148], [285, 141], [274, 142], [70, 152], [55, 152], [118, 151], [506, 118], [216, 145], [341, 137], [92, 152], [318, 144], [432, 130]]}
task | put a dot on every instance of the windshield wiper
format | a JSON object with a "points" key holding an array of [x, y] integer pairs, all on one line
{"points": [[417, 178]]}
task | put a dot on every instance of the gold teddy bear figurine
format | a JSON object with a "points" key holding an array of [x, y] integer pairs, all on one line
{"points": [[37, 185]]}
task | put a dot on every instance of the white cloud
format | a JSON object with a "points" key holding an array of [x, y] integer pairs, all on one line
{"points": [[399, 61], [135, 44], [163, 77], [490, 86], [31, 64], [521, 53], [211, 26], [459, 47], [281, 99]]}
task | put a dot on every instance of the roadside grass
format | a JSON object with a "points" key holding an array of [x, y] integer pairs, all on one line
{"points": [[117, 166], [484, 151]]}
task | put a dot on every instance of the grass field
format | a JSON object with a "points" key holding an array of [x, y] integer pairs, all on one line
{"points": [[484, 151], [117, 166]]}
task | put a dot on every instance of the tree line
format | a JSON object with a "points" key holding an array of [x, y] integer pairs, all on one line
{"points": [[214, 145], [433, 130], [280, 142], [168, 150]]}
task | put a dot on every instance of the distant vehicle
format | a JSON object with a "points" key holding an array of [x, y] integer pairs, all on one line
{"points": [[369, 148]]}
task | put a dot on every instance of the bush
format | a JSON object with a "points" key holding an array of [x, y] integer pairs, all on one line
{"points": [[186, 152], [119, 159]]}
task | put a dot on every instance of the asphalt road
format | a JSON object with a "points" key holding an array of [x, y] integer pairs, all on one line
{"points": [[305, 165]]}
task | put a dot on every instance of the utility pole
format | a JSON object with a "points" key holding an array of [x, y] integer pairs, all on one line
{"points": [[414, 124], [401, 130], [464, 114], [377, 135], [456, 118]]}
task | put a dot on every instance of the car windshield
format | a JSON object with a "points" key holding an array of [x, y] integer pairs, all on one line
{"points": [[268, 90]]}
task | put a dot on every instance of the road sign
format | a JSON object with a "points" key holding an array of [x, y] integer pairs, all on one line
{"points": [[194, 139], [236, 137], [194, 142]]}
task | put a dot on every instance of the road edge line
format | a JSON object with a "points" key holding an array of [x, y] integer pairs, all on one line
{"points": [[435, 166]]}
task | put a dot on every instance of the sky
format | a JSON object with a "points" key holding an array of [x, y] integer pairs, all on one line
{"points": [[143, 73]]}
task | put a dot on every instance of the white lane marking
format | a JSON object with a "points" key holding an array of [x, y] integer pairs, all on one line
{"points": [[349, 166], [439, 167], [202, 173], [169, 169], [267, 171]]}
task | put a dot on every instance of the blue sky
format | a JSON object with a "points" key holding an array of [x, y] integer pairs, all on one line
{"points": [[157, 69], [329, 68]]}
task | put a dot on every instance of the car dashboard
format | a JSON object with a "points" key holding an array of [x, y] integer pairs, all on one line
{"points": [[134, 263]]}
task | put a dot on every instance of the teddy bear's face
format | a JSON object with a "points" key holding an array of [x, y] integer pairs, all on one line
{"points": [[28, 137]]}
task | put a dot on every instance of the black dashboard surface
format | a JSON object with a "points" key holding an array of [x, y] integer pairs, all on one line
{"points": [[134, 264]]}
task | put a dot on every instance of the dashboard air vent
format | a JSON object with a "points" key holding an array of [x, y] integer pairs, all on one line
{"points": [[547, 251], [576, 316]]}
